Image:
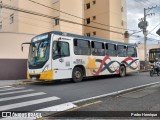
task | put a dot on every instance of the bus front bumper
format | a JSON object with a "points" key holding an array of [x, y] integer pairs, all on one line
{"points": [[44, 76]]}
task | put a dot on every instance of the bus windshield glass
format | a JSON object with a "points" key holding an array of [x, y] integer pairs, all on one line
{"points": [[153, 54], [39, 51]]}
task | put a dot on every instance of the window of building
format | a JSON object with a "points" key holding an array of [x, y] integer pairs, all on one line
{"points": [[55, 1], [88, 34], [122, 23], [131, 52], [1, 25], [111, 50], [0, 7], [98, 49], [56, 21], [82, 47], [11, 18], [94, 2], [122, 9], [0, 3], [94, 17], [88, 21], [122, 51], [88, 6], [94, 33]]}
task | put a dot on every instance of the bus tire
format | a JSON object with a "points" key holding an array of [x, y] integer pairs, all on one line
{"points": [[122, 71], [77, 75]]}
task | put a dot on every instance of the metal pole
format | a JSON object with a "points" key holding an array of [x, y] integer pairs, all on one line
{"points": [[145, 39]]}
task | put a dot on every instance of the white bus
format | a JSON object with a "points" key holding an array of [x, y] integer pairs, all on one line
{"points": [[57, 55]]}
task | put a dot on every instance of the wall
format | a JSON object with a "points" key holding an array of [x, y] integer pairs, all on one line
{"points": [[7, 26], [117, 10], [13, 62], [75, 8]]}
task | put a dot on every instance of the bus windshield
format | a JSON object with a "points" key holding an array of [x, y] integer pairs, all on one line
{"points": [[39, 52], [153, 54]]}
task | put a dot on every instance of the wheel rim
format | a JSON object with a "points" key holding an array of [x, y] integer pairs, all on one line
{"points": [[77, 74]]}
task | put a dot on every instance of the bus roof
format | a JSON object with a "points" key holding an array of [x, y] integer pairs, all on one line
{"points": [[155, 50], [88, 38]]}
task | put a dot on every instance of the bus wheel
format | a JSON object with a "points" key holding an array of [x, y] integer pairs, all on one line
{"points": [[122, 71], [77, 75]]}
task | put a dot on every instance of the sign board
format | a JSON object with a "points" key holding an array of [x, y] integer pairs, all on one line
{"points": [[158, 32]]}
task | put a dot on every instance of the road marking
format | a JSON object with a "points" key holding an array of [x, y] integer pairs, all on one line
{"points": [[61, 107], [23, 104], [22, 96], [5, 87], [22, 91], [56, 109], [86, 105], [114, 93], [8, 89]]}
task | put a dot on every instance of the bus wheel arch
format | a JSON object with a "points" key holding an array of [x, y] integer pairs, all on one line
{"points": [[122, 70], [78, 73]]}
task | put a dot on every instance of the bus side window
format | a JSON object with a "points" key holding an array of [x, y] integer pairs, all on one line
{"points": [[82, 47], [65, 49], [131, 52], [122, 51], [111, 50], [98, 49]]}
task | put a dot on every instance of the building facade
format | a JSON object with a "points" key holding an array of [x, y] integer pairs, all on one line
{"points": [[21, 22], [106, 14], [106, 18], [13, 62]]}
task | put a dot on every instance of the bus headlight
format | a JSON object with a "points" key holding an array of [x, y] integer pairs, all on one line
{"points": [[46, 68]]}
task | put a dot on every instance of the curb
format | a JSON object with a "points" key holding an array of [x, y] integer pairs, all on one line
{"points": [[116, 93]]}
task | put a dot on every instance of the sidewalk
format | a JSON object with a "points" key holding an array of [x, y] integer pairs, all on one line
{"points": [[4, 83]]}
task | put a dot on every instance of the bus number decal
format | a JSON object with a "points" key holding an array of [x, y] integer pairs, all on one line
{"points": [[79, 61]]}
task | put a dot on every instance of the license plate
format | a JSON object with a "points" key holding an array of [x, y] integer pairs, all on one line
{"points": [[34, 78]]}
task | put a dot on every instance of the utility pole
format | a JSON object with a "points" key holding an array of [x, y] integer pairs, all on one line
{"points": [[143, 25], [145, 39]]}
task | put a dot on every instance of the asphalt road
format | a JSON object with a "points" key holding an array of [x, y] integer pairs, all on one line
{"points": [[39, 96]]}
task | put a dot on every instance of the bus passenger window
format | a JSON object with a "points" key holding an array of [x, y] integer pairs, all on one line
{"points": [[131, 52], [82, 47], [122, 51], [98, 49], [111, 50]]}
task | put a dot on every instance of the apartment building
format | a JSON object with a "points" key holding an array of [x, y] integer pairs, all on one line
{"points": [[21, 22], [108, 15]]}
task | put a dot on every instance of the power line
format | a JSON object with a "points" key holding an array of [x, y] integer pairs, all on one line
{"points": [[154, 27], [154, 35], [47, 16], [76, 16], [149, 39]]}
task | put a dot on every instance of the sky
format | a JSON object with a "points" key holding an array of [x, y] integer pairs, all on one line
{"points": [[135, 11]]}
